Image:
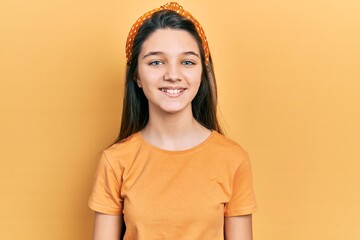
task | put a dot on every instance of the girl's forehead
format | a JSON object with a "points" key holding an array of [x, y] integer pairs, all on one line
{"points": [[170, 39]]}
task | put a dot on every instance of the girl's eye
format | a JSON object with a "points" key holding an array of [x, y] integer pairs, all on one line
{"points": [[188, 63], [155, 63]]}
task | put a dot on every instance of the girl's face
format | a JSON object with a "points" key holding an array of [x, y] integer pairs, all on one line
{"points": [[169, 70]]}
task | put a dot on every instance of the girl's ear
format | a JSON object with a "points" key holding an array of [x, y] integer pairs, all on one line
{"points": [[138, 82]]}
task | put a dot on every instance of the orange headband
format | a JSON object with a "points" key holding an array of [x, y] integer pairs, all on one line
{"points": [[172, 6]]}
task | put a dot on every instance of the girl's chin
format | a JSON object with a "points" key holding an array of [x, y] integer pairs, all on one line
{"points": [[173, 109]]}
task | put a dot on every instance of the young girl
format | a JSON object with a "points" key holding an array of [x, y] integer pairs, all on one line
{"points": [[171, 174]]}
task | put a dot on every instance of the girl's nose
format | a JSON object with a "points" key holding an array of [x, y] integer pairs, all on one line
{"points": [[172, 73]]}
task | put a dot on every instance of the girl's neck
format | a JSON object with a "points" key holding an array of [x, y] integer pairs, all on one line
{"points": [[174, 131]]}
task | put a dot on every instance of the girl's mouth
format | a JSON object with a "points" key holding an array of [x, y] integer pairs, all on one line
{"points": [[172, 91]]}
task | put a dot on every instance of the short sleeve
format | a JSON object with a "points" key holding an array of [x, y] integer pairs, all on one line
{"points": [[242, 201], [105, 196]]}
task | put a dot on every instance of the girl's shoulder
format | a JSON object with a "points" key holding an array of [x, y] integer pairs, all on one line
{"points": [[224, 143], [124, 149], [132, 140]]}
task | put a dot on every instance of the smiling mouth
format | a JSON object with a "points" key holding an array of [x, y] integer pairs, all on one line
{"points": [[175, 91]]}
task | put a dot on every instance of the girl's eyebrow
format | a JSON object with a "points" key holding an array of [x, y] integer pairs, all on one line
{"points": [[157, 53], [191, 53]]}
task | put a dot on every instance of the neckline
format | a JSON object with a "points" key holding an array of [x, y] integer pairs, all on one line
{"points": [[176, 152]]}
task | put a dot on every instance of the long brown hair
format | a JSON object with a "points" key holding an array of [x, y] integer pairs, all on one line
{"points": [[135, 114]]}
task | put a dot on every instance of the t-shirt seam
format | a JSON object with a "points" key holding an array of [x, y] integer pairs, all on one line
{"points": [[96, 206], [248, 209], [245, 158], [185, 152], [112, 169]]}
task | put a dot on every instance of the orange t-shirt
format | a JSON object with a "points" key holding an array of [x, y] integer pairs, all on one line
{"points": [[174, 194]]}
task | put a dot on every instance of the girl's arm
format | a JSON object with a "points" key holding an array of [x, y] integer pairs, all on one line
{"points": [[238, 228], [107, 227]]}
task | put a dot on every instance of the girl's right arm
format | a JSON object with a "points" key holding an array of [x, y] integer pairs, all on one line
{"points": [[107, 227]]}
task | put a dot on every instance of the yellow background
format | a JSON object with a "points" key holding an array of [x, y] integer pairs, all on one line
{"points": [[288, 75]]}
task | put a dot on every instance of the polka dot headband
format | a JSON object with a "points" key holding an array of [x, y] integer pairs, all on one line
{"points": [[172, 6]]}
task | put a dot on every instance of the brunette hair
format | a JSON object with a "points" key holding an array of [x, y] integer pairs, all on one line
{"points": [[135, 113]]}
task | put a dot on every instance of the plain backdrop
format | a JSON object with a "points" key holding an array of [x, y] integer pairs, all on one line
{"points": [[288, 76]]}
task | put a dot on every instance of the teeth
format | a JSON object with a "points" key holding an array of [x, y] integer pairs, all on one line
{"points": [[171, 91]]}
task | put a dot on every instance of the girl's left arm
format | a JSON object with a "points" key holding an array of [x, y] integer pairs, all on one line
{"points": [[238, 227]]}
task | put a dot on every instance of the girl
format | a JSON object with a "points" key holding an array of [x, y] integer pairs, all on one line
{"points": [[171, 174]]}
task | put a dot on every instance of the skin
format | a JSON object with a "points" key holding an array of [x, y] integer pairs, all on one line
{"points": [[107, 227], [170, 59], [238, 228]]}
